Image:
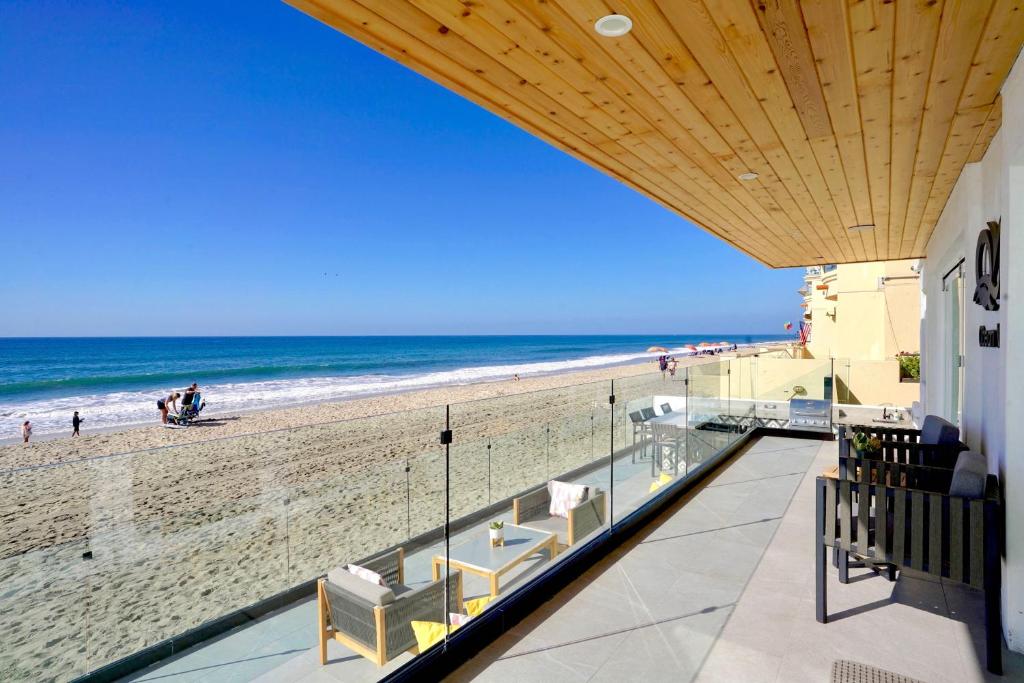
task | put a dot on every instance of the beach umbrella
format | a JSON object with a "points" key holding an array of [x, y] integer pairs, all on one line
{"points": [[705, 344], [690, 347], [657, 349]]}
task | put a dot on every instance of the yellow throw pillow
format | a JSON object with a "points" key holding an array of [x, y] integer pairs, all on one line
{"points": [[662, 480], [475, 607], [429, 633]]}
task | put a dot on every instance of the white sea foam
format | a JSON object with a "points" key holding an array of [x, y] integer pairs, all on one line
{"points": [[118, 409]]}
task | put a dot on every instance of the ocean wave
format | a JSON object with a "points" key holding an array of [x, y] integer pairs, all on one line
{"points": [[123, 408]]}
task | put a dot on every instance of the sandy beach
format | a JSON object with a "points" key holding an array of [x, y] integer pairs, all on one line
{"points": [[61, 448], [187, 525]]}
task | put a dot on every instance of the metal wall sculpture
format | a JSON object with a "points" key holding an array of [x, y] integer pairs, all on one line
{"points": [[986, 267]]}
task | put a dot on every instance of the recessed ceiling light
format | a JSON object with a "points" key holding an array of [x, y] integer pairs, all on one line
{"points": [[613, 25], [749, 175], [860, 228]]}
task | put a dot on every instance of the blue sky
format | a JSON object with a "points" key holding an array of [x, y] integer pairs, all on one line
{"points": [[239, 168]]}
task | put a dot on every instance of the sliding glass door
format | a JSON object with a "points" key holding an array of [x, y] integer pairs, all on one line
{"points": [[954, 346]]}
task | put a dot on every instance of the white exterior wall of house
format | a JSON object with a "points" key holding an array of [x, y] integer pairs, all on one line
{"points": [[993, 389]]}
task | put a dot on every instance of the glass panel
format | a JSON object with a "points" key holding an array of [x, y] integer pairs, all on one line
{"points": [[504, 452], [123, 552], [650, 415], [130, 550], [872, 390], [710, 426], [739, 410], [841, 392], [782, 383], [377, 500], [782, 379], [44, 575]]}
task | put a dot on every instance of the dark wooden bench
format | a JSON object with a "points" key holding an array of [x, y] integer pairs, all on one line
{"points": [[900, 446], [928, 531]]}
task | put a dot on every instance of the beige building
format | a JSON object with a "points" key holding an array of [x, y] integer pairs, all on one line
{"points": [[865, 315]]}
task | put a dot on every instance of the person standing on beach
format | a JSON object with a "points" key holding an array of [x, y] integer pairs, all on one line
{"points": [[190, 394], [672, 364], [76, 422], [26, 430], [163, 403]]}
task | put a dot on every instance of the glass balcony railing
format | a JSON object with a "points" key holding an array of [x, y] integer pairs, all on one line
{"points": [[104, 557]]}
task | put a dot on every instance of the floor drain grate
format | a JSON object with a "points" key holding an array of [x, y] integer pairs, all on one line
{"points": [[844, 671]]}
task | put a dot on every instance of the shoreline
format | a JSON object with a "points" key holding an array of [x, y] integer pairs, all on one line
{"points": [[56, 447]]}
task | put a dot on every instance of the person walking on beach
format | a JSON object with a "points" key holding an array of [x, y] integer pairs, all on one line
{"points": [[663, 365], [26, 430], [76, 422], [164, 404], [672, 364]]}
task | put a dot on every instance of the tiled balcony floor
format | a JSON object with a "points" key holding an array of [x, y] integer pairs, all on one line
{"points": [[721, 588]]}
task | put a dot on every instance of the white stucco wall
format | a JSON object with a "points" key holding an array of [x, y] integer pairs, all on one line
{"points": [[993, 396]]}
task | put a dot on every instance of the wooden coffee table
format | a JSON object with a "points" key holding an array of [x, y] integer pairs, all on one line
{"points": [[476, 556]]}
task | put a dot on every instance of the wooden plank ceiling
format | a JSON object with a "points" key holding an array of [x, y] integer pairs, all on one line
{"points": [[851, 112]]}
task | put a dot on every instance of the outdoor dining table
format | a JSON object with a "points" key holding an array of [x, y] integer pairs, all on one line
{"points": [[673, 419]]}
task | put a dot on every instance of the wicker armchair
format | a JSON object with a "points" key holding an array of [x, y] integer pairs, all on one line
{"points": [[531, 510], [375, 621]]}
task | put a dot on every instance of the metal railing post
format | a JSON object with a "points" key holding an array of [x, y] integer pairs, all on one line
{"points": [[408, 501], [611, 460]]}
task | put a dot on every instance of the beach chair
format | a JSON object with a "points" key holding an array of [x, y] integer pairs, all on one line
{"points": [[190, 412], [666, 408], [647, 413], [376, 621]]}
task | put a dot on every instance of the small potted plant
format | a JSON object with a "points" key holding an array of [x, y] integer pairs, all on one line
{"points": [[865, 445], [497, 531], [910, 366]]}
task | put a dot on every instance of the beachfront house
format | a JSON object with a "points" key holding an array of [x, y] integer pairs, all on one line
{"points": [[867, 317], [726, 524]]}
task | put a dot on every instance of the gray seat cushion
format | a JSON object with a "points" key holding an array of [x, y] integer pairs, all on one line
{"points": [[399, 589], [552, 525], [350, 583], [969, 475], [936, 430]]}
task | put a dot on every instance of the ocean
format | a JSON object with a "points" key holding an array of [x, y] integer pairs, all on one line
{"points": [[115, 382]]}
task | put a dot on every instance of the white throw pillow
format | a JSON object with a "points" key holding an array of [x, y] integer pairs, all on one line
{"points": [[458, 619], [367, 574], [564, 497]]}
